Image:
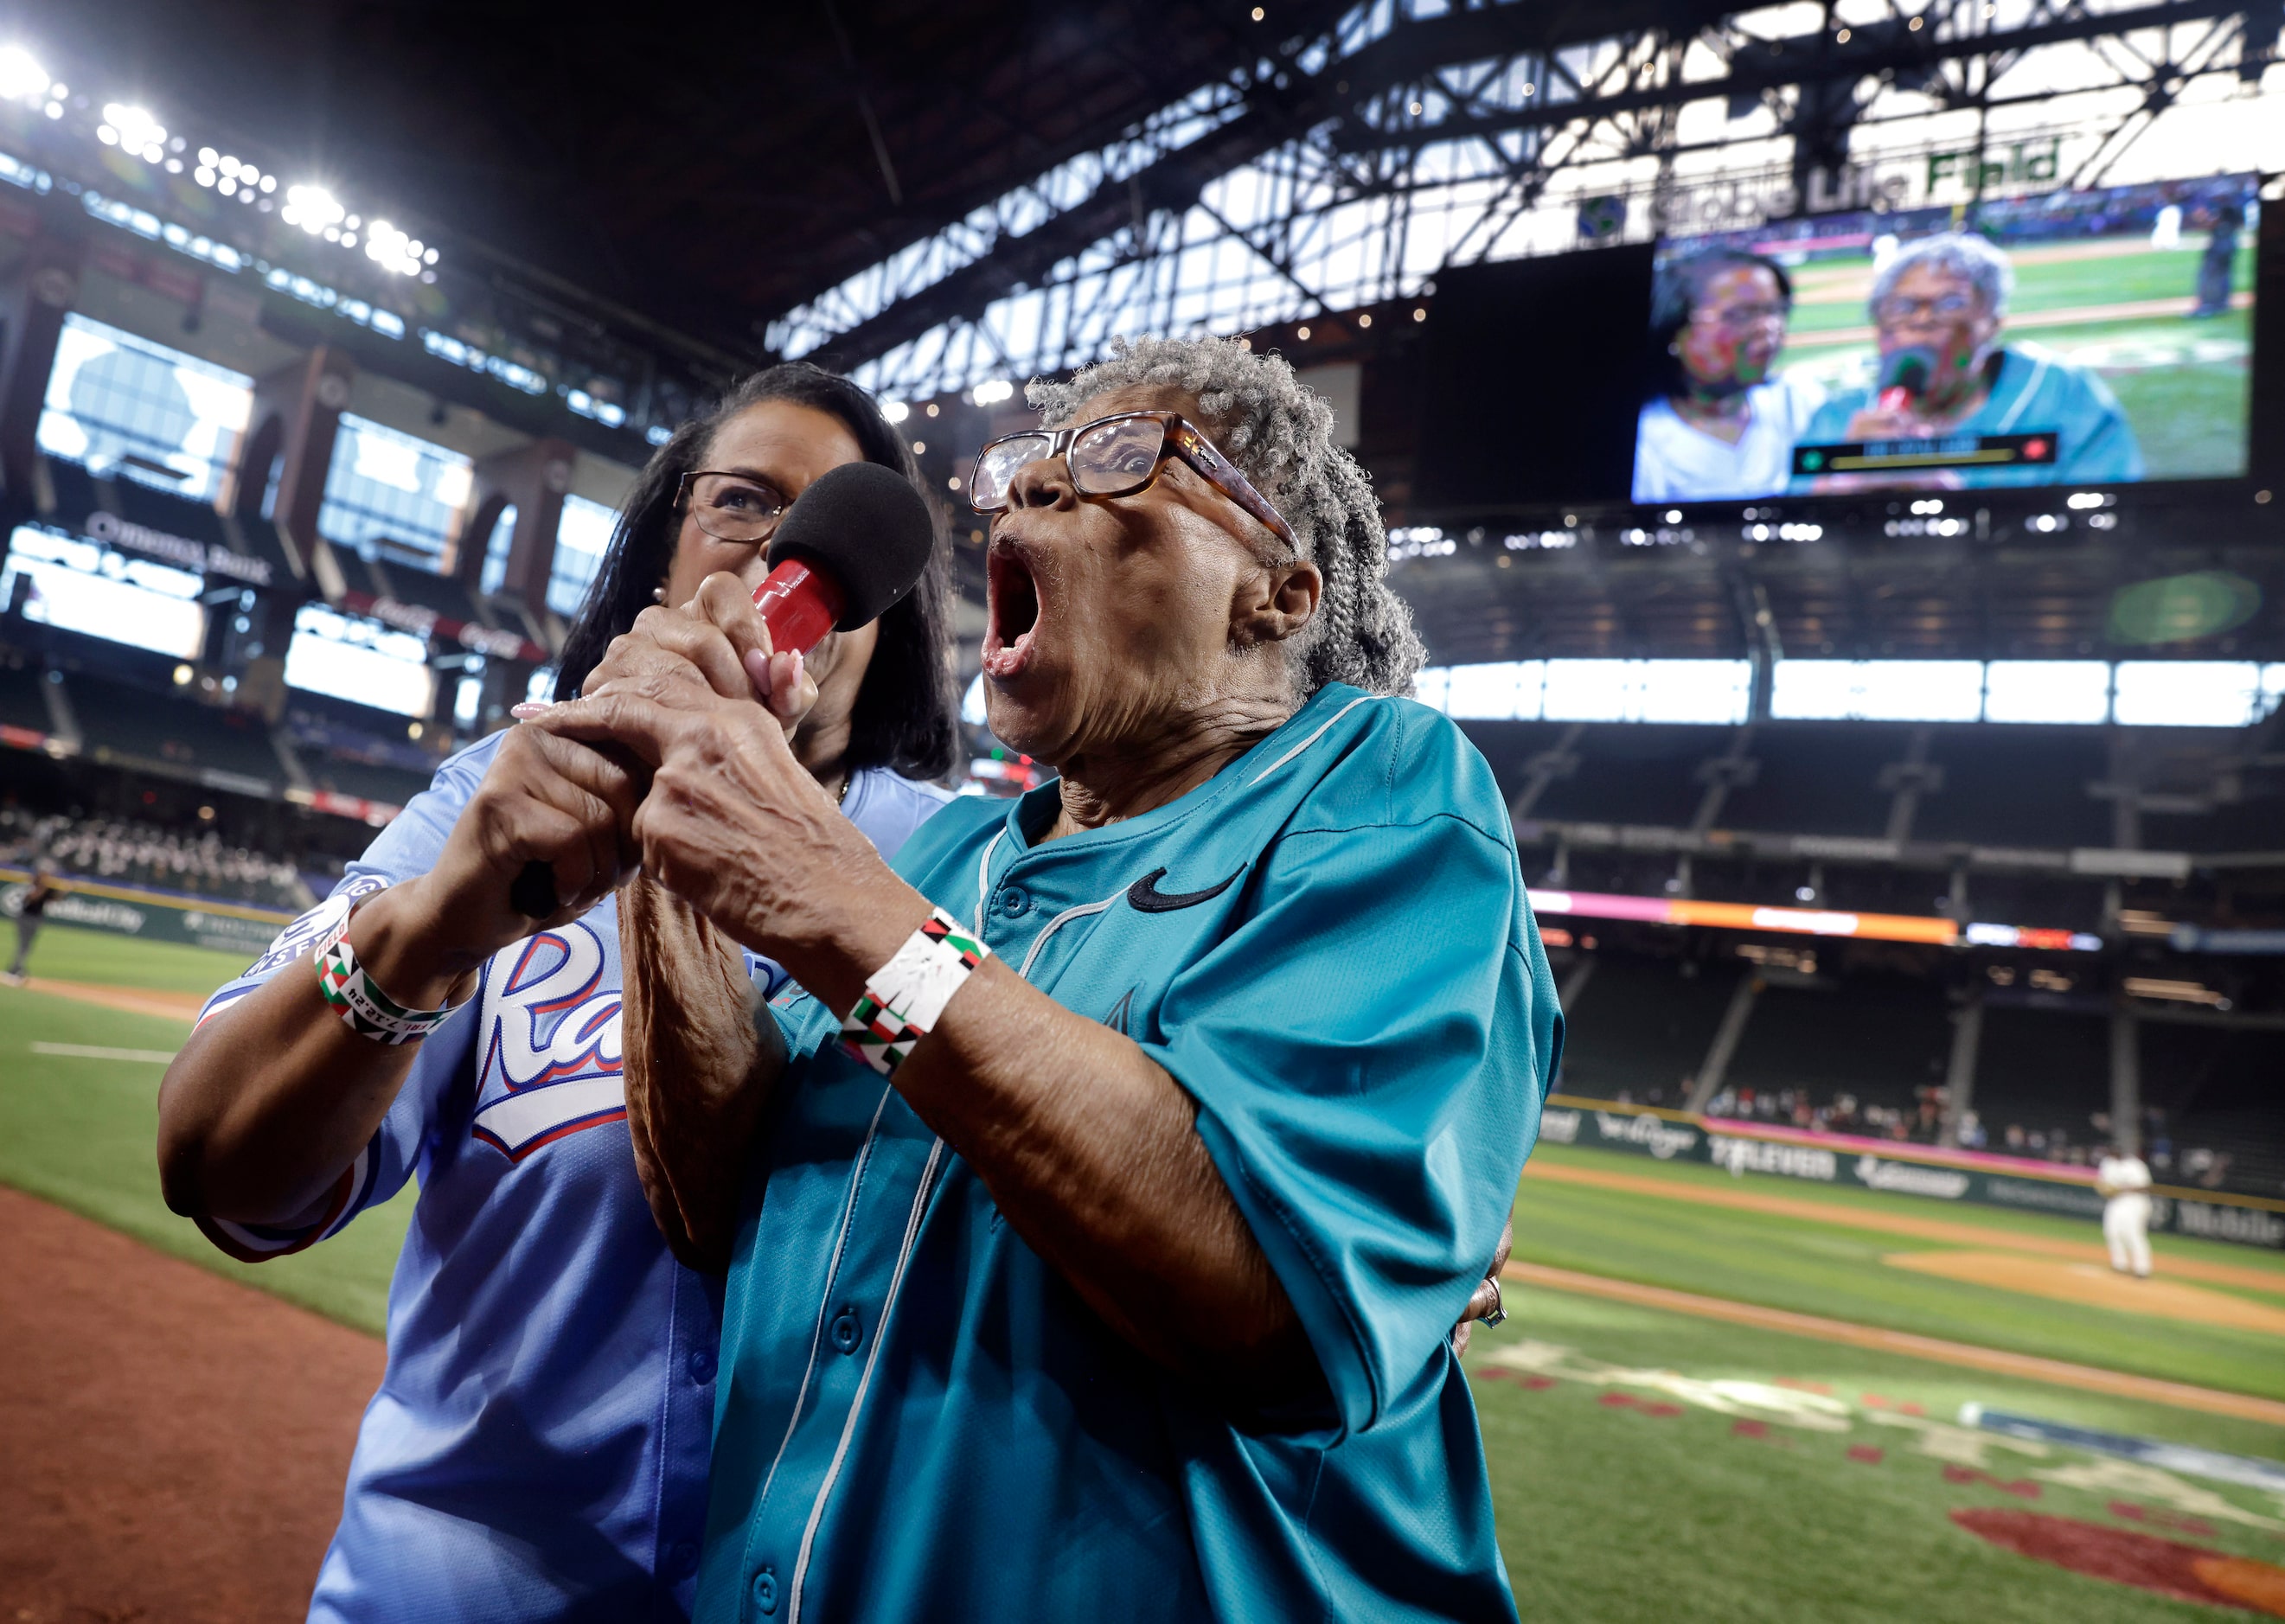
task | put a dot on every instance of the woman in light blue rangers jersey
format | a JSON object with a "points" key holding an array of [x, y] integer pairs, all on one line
{"points": [[1132, 1147], [538, 1449]]}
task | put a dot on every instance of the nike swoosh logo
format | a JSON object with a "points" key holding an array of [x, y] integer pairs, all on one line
{"points": [[1145, 896]]}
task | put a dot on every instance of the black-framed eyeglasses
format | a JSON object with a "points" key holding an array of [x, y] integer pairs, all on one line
{"points": [[736, 508], [1118, 456]]}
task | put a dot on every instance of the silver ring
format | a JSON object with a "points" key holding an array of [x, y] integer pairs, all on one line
{"points": [[1498, 1315]]}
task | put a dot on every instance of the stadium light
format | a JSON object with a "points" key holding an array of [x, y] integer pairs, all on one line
{"points": [[393, 250], [992, 392], [895, 410], [313, 209], [21, 78], [133, 130]]}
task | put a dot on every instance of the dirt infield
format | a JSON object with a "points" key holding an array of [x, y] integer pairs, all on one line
{"points": [[175, 1443], [1987, 1237], [2182, 1395], [135, 1000], [2096, 1285]]}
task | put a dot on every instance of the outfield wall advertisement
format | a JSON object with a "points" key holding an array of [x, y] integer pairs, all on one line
{"points": [[1903, 1169], [226, 927]]}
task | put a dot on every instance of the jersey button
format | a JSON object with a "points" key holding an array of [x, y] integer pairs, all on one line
{"points": [[848, 1331], [1015, 901], [682, 1559], [766, 1591], [702, 1366]]}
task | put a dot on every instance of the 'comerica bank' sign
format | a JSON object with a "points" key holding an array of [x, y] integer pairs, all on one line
{"points": [[207, 558]]}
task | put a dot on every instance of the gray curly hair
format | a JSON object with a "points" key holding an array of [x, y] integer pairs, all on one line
{"points": [[1974, 260], [1280, 435]]}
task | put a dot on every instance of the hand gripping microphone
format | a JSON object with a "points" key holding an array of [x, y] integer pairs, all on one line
{"points": [[847, 552], [1905, 376]]}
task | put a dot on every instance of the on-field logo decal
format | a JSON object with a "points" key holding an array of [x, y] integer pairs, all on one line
{"points": [[2023, 1458], [552, 1063]]}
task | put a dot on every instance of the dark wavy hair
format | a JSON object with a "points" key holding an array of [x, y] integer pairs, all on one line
{"points": [[1675, 293], [907, 713]]}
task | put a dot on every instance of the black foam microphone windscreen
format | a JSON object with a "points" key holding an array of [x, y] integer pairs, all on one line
{"points": [[1908, 369], [865, 526]]}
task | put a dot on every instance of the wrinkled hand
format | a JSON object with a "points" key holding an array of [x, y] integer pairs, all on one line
{"points": [[716, 646], [545, 799], [738, 829], [1487, 1298]]}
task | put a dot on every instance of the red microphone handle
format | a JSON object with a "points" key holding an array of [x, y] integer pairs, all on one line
{"points": [[799, 605]]}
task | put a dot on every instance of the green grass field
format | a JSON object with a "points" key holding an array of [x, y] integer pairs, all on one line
{"points": [[81, 1133], [1645, 1465], [1834, 1270]]}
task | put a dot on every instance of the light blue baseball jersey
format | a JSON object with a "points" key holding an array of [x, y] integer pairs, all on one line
{"points": [[538, 1449], [1328, 946]]}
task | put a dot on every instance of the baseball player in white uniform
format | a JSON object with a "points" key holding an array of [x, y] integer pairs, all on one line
{"points": [[2122, 1180]]}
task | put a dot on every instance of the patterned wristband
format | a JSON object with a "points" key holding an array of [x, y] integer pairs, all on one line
{"points": [[358, 999], [904, 999]]}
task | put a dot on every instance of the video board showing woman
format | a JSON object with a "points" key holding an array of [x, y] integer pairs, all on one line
{"points": [[1717, 424]]}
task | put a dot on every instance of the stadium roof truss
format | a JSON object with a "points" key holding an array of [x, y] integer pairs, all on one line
{"points": [[1349, 167]]}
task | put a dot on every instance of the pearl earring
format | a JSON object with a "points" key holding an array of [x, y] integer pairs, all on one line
{"points": [[658, 594]]}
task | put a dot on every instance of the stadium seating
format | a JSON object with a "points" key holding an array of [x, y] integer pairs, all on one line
{"points": [[1817, 778], [155, 728], [2214, 1090], [1635, 774], [367, 781], [21, 703], [142, 854], [2041, 1071], [2017, 787], [1640, 1027], [1882, 1038]]}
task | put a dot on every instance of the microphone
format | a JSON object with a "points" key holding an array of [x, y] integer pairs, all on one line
{"points": [[1905, 376], [847, 551]]}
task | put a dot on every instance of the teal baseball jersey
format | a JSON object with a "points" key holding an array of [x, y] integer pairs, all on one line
{"points": [[1329, 948], [2035, 393]]}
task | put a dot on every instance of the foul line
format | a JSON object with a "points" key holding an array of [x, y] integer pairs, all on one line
{"points": [[88, 1051], [2181, 1395]]}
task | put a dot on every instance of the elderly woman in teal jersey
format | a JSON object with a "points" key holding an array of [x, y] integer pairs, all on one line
{"points": [[1103, 1196], [1937, 308]]}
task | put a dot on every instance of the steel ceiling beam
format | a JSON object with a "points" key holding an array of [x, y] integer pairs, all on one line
{"points": [[1281, 108], [1873, 48]]}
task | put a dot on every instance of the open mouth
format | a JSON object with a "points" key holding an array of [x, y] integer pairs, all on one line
{"points": [[1012, 619]]}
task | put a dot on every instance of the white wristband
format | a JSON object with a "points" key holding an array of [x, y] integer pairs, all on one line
{"points": [[904, 999]]}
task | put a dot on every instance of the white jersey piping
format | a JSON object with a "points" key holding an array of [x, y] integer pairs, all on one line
{"points": [[1361, 699], [864, 1382]]}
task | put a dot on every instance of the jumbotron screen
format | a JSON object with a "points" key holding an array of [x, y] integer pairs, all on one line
{"points": [[2074, 337]]}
